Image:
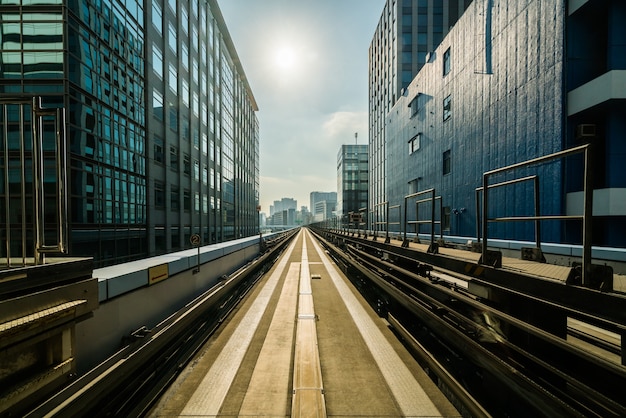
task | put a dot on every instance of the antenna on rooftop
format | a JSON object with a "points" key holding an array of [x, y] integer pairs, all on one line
{"points": [[356, 141]]}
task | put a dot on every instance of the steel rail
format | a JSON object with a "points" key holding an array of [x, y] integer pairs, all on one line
{"points": [[584, 387]]}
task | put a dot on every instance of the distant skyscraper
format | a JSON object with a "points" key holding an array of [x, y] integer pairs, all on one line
{"points": [[323, 205], [352, 179], [407, 32]]}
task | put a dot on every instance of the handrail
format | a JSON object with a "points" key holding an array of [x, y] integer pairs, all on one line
{"points": [[417, 222], [40, 119], [376, 221], [362, 211], [535, 179], [392, 223], [587, 202]]}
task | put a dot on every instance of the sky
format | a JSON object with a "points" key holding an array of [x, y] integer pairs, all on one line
{"points": [[307, 64]]}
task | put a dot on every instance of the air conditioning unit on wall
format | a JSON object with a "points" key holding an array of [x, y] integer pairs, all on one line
{"points": [[586, 131]]}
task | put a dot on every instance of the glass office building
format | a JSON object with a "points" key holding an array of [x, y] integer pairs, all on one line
{"points": [[352, 179], [162, 136]]}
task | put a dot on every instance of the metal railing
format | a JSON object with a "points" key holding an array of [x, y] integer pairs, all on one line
{"points": [[586, 217], [41, 123], [363, 223], [376, 223], [535, 180], [432, 199]]}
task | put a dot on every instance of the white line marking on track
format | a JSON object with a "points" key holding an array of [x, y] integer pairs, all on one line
{"points": [[211, 392]]}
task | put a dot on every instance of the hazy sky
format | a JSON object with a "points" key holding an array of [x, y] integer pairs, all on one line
{"points": [[307, 64]]}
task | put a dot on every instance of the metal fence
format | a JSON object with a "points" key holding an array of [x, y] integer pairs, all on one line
{"points": [[34, 168]]}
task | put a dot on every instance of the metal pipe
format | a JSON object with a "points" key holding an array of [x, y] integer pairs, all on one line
{"points": [[62, 171], [537, 210], [505, 183], [22, 180], [535, 218], [7, 200], [478, 216], [587, 202], [387, 225], [587, 217], [405, 226], [38, 173], [432, 219], [484, 216], [440, 216]]}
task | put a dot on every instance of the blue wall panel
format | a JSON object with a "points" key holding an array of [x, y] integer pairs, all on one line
{"points": [[506, 89]]}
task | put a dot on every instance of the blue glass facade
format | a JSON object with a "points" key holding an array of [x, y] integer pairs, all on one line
{"points": [[162, 137]]}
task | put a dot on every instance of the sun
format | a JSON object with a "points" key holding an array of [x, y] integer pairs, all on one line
{"points": [[285, 58]]}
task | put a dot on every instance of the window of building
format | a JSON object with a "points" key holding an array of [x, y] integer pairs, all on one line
{"points": [[157, 61], [184, 19], [446, 62], [187, 199], [447, 162], [173, 79], [196, 200], [157, 104], [174, 158], [185, 56], [172, 38], [175, 198], [159, 156], [172, 4], [187, 165], [447, 107], [159, 194], [196, 170], [415, 105], [194, 71], [157, 16], [414, 143], [185, 92], [173, 117], [205, 174]]}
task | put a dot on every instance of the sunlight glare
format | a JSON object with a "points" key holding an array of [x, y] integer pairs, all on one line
{"points": [[285, 58]]}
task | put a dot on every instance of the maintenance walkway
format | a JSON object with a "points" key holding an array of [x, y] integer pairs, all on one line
{"points": [[304, 343]]}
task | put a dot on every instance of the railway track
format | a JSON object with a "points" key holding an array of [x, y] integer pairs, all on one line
{"points": [[131, 380], [490, 360], [497, 353]]}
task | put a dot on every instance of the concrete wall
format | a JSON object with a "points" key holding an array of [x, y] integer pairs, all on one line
{"points": [[100, 336]]}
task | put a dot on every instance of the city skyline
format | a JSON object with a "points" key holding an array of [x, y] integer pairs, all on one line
{"points": [[307, 64]]}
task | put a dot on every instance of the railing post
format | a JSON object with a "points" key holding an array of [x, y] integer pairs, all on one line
{"points": [[387, 223], [432, 218], [537, 209], [478, 216], [417, 218], [405, 224], [484, 217], [587, 217]]}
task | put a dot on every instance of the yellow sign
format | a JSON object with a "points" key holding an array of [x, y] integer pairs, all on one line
{"points": [[157, 273]]}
